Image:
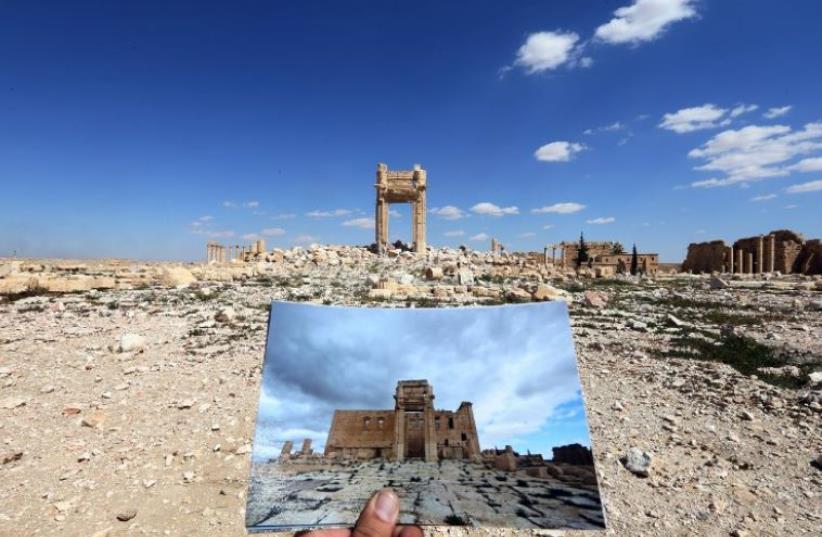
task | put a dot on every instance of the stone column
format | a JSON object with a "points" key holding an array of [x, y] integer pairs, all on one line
{"points": [[306, 450], [399, 435], [208, 252], [749, 261], [430, 435], [381, 232], [729, 262], [771, 264], [740, 268], [760, 250]]}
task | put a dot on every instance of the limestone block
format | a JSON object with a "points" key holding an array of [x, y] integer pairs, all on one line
{"points": [[176, 276], [433, 273], [16, 284], [548, 292]]}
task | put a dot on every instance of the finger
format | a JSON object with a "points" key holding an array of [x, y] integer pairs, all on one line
{"points": [[341, 532], [407, 531], [379, 516]]}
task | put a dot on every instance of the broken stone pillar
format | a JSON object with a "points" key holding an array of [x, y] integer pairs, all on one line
{"points": [[739, 265], [771, 264], [729, 259], [261, 246], [419, 209], [306, 449], [760, 264]]}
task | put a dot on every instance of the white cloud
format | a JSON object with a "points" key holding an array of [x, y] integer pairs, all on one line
{"points": [[527, 235], [586, 62], [560, 151], [812, 186], [763, 197], [479, 237], [548, 226], [328, 214], [206, 218], [494, 210], [449, 212], [602, 220], [791, 206], [808, 165], [754, 153], [544, 51], [229, 204], [644, 20], [250, 237], [455, 233], [252, 204], [567, 207], [218, 234], [778, 111], [362, 223], [272, 232], [695, 118], [305, 239], [393, 213], [740, 109]]}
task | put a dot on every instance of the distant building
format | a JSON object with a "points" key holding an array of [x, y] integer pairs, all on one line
{"points": [[413, 430], [602, 258]]}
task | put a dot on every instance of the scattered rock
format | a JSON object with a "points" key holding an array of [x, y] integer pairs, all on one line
{"points": [[131, 342], [638, 462], [128, 514], [226, 315]]}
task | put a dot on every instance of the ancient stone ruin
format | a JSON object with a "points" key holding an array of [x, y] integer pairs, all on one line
{"points": [[781, 251], [413, 430], [401, 187], [603, 258]]}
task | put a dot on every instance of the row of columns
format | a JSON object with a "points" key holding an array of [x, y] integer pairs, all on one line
{"points": [[761, 260], [218, 253]]}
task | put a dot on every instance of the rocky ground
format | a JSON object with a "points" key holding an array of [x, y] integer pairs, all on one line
{"points": [[128, 394], [449, 492]]}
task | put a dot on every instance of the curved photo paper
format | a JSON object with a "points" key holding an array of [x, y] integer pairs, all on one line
{"points": [[474, 416]]}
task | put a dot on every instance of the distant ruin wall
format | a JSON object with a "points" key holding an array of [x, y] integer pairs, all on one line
{"points": [[809, 259], [705, 257]]}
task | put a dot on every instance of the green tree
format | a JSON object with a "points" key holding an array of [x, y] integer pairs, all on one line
{"points": [[617, 248], [634, 261], [582, 251]]}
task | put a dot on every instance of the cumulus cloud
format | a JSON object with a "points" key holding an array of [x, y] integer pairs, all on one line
{"points": [[283, 216], [479, 237], [560, 151], [707, 116], [754, 153], [763, 197], [544, 51], [454, 233], [252, 204], [305, 239], [490, 209], [373, 348], [644, 20], [230, 204], [779, 111], [742, 109], [615, 126], [812, 186], [362, 223], [449, 212], [567, 207], [250, 237], [328, 214], [272, 232], [808, 165], [548, 226], [602, 220]]}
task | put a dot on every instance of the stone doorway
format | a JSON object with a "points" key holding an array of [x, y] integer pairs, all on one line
{"points": [[414, 435]]}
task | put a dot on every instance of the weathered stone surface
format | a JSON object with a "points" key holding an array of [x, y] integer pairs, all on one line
{"points": [[176, 276], [638, 462], [131, 342]]}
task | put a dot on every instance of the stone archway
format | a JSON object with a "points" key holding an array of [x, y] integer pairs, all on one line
{"points": [[401, 186]]}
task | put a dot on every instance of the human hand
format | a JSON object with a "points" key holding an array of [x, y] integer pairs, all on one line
{"points": [[378, 519]]}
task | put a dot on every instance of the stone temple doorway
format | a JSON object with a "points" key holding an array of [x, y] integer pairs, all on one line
{"points": [[414, 435]]}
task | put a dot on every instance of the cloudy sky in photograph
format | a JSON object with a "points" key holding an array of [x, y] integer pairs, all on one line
{"points": [[516, 364]]}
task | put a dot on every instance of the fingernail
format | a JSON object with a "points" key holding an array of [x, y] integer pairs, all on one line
{"points": [[387, 506]]}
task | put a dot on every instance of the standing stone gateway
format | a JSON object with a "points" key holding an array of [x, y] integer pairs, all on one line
{"points": [[401, 186]]}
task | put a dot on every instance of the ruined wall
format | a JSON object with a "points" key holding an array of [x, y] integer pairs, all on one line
{"points": [[361, 434], [705, 257], [456, 433], [809, 258], [787, 246]]}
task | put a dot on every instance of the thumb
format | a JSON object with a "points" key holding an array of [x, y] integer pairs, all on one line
{"points": [[379, 516]]}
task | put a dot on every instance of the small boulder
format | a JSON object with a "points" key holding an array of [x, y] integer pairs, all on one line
{"points": [[176, 277], [596, 299], [718, 283], [547, 292], [226, 315], [131, 342], [638, 462]]}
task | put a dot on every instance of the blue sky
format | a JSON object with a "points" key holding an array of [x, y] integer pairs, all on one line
{"points": [[516, 364], [144, 129]]}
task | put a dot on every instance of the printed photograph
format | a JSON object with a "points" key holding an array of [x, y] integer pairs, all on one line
{"points": [[474, 416]]}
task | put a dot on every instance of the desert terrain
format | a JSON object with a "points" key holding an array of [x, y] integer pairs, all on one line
{"points": [[128, 390]]}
